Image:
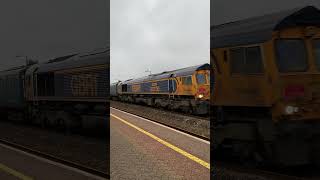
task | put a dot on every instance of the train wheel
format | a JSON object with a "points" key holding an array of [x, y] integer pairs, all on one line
{"points": [[62, 126], [68, 121], [186, 109], [44, 122], [191, 110], [4, 115], [157, 105], [221, 116]]}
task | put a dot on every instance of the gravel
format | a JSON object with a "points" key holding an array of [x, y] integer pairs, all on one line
{"points": [[193, 124], [226, 174], [87, 151]]}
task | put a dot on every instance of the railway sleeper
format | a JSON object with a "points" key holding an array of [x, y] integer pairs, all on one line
{"points": [[16, 116]]}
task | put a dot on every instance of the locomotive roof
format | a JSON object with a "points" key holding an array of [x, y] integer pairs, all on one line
{"points": [[12, 71], [168, 74], [259, 29], [115, 83], [76, 60]]}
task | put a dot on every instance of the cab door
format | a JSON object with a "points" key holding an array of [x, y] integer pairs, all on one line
{"points": [[187, 83], [202, 84], [247, 81], [30, 83], [172, 86], [28, 87]]}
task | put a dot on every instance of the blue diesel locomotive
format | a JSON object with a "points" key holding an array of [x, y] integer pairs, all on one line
{"points": [[70, 91], [184, 89]]}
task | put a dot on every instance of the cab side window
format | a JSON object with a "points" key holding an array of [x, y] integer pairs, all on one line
{"points": [[246, 60], [124, 88], [187, 80], [214, 62]]}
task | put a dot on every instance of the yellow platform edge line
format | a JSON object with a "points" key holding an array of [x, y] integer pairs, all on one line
{"points": [[184, 153], [14, 172]]}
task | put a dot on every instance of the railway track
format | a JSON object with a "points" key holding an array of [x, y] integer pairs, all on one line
{"points": [[237, 170], [77, 166], [204, 117], [164, 124]]}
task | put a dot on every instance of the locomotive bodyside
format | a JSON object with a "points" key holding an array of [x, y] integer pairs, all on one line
{"points": [[80, 78], [70, 91], [11, 88]]}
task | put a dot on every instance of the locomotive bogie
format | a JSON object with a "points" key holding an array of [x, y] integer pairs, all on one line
{"points": [[11, 85]]}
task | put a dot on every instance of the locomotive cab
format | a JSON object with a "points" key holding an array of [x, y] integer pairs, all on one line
{"points": [[201, 89], [202, 78], [185, 90], [297, 57], [266, 94]]}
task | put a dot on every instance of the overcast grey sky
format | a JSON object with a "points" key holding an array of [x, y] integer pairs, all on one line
{"points": [[157, 34], [223, 11], [49, 28]]}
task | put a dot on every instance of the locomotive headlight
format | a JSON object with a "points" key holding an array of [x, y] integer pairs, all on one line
{"points": [[291, 109], [200, 96]]}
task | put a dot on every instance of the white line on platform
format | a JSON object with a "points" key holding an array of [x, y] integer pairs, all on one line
{"points": [[54, 163], [194, 137]]}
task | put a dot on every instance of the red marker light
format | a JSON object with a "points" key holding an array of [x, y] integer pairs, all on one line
{"points": [[293, 91]]}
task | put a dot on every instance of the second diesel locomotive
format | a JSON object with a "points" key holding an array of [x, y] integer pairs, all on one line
{"points": [[184, 89], [68, 92]]}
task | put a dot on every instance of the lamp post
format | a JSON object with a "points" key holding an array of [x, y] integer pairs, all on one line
{"points": [[148, 70]]}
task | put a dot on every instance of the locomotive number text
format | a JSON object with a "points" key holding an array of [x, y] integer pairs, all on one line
{"points": [[84, 85], [154, 87], [136, 88]]}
